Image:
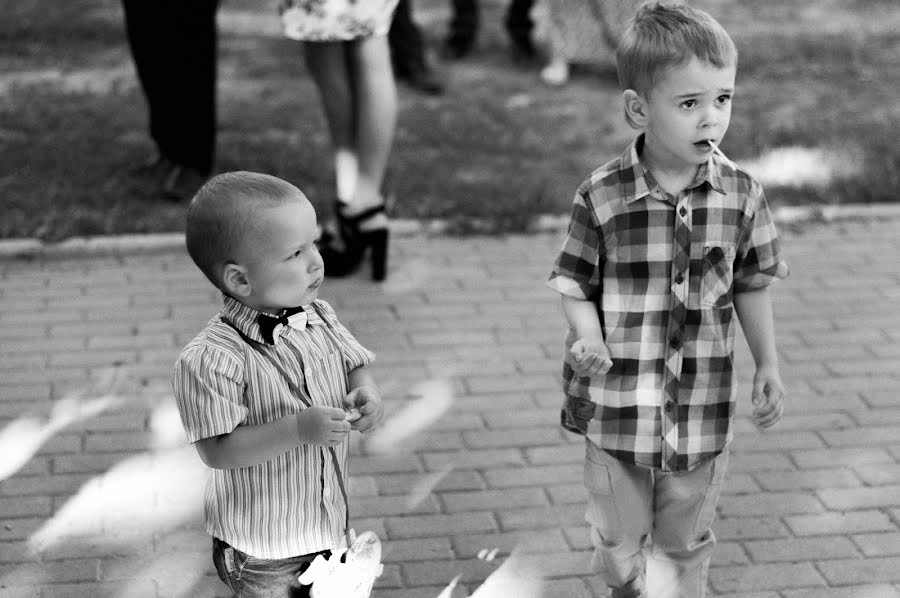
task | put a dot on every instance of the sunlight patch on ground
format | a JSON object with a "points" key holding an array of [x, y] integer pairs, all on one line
{"points": [[23, 437], [151, 492], [512, 578], [797, 166], [435, 398]]}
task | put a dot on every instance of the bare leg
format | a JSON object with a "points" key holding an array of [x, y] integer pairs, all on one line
{"points": [[328, 64], [376, 117]]}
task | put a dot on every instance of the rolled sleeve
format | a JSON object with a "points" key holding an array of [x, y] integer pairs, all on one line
{"points": [[576, 272], [758, 262], [209, 393], [355, 355]]}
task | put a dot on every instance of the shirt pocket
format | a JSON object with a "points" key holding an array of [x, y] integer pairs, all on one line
{"points": [[326, 380], [717, 275]]}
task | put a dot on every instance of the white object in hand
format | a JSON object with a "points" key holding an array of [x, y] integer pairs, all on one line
{"points": [[353, 415], [330, 578]]}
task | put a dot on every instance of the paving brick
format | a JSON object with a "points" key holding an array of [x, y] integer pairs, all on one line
{"points": [[861, 437], [748, 528], [549, 540], [772, 504], [532, 476], [472, 459], [418, 549], [752, 462], [807, 479], [481, 500], [420, 526], [570, 454], [382, 506], [856, 591], [861, 571], [859, 498], [792, 550], [404, 483], [17, 506], [42, 485], [541, 517], [879, 544], [764, 577], [59, 571], [839, 523], [838, 457], [515, 437]]}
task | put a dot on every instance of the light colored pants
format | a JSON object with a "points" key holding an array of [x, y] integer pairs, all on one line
{"points": [[627, 504]]}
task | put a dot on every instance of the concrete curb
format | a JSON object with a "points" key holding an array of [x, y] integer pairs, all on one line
{"points": [[143, 244]]}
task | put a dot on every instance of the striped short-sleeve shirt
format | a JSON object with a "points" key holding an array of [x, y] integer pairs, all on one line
{"points": [[290, 505], [663, 272]]}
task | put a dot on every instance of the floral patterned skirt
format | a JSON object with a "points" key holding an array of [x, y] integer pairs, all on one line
{"points": [[335, 20]]}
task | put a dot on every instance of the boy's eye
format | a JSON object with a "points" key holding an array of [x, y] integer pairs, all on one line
{"points": [[723, 99], [688, 103]]}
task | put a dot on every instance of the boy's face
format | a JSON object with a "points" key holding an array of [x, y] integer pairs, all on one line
{"points": [[282, 265], [689, 105]]}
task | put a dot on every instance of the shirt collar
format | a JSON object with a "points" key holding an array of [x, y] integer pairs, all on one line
{"points": [[245, 317], [644, 183]]}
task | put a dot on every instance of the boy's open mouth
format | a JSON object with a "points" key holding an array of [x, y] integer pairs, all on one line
{"points": [[705, 144]]}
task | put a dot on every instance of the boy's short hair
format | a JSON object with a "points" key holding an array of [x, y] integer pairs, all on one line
{"points": [[222, 214], [663, 35]]}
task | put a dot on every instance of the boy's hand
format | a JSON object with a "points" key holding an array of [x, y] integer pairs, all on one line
{"points": [[590, 356], [366, 402], [768, 397], [320, 425]]}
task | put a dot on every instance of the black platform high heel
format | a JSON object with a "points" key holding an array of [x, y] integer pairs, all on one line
{"points": [[346, 260]]}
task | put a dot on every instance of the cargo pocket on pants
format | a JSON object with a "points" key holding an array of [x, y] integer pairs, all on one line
{"points": [[707, 512], [602, 512]]}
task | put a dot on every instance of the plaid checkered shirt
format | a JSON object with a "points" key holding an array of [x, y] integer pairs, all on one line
{"points": [[663, 271]]}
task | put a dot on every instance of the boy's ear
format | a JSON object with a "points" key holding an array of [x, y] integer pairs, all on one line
{"points": [[235, 281], [635, 108]]}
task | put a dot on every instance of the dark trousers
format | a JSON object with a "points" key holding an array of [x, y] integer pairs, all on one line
{"points": [[173, 44], [407, 44], [464, 23]]}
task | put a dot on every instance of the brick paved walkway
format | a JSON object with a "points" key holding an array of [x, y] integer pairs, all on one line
{"points": [[110, 498]]}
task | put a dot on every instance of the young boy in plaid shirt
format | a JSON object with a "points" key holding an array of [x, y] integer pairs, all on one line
{"points": [[665, 245]]}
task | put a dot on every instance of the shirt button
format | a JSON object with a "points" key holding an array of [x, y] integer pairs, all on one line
{"points": [[683, 211], [669, 406], [679, 278], [675, 343]]}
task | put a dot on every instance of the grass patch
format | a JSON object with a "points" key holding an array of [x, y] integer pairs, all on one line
{"points": [[495, 150]]}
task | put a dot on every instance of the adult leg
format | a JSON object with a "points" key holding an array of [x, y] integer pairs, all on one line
{"points": [[683, 542], [375, 95], [143, 23], [328, 64], [463, 28], [187, 132], [519, 26], [620, 514], [408, 51]]}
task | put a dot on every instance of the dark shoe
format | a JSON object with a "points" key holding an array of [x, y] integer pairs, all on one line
{"points": [[343, 256], [457, 46], [523, 48], [153, 169], [422, 79], [181, 183]]}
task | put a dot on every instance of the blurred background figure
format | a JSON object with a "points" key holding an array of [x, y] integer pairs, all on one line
{"points": [[173, 45], [465, 22], [408, 53], [348, 56], [582, 32]]}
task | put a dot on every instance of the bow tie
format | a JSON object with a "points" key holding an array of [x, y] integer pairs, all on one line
{"points": [[270, 326]]}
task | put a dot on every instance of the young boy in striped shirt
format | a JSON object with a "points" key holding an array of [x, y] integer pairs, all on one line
{"points": [[665, 245], [270, 388]]}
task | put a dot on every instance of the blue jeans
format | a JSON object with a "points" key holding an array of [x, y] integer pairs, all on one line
{"points": [[250, 577]]}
